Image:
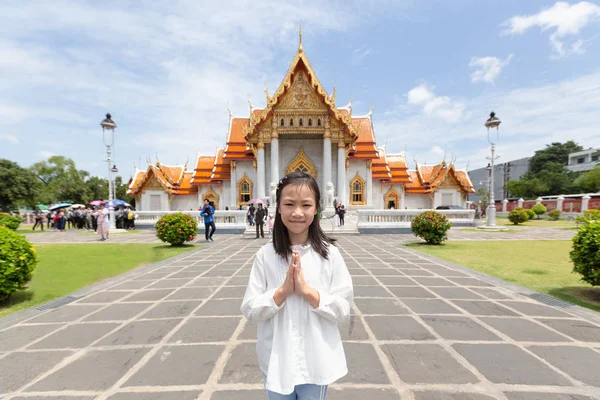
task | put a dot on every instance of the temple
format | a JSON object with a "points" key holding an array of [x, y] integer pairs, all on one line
{"points": [[301, 129]]}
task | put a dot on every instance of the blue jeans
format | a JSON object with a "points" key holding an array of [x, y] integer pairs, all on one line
{"points": [[301, 392]]}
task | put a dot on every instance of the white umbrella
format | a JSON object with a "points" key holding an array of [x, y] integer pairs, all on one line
{"points": [[77, 206]]}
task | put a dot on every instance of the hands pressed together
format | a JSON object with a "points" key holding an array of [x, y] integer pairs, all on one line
{"points": [[295, 283]]}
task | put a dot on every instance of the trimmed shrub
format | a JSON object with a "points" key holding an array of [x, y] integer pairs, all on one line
{"points": [[431, 227], [539, 209], [12, 222], [592, 215], [554, 215], [518, 216], [530, 213], [176, 228], [18, 259], [586, 253]]}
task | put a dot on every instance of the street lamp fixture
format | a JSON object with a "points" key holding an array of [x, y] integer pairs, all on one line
{"points": [[491, 123], [108, 137]]}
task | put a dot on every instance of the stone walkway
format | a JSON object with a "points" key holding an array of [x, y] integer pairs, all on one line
{"points": [[420, 329]]}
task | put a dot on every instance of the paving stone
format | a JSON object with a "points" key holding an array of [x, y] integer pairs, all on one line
{"points": [[397, 328], [458, 328], [364, 280], [20, 368], [239, 395], [67, 313], [170, 284], [103, 297], [171, 309], [236, 292], [396, 280], [455, 293], [242, 366], [218, 272], [535, 309], [426, 363], [185, 274], [411, 292], [177, 365], [140, 332], [193, 293], [18, 336], [469, 282], [222, 307], [576, 328], [383, 271], [75, 336], [149, 295], [506, 363], [53, 398], [197, 330], [358, 272], [447, 272], [362, 394], [416, 272], [380, 306], [250, 332], [490, 293], [370, 291], [353, 329], [118, 312], [364, 365], [429, 282], [544, 396], [430, 395], [151, 276], [210, 281], [238, 280], [521, 329], [578, 362], [130, 285], [430, 306], [481, 307]]}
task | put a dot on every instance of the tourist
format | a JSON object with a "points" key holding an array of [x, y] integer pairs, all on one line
{"points": [[38, 219], [259, 220], [310, 315], [250, 214], [103, 222], [341, 211], [208, 212]]}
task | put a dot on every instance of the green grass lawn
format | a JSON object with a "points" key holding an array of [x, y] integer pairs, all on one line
{"points": [[537, 222], [487, 231], [542, 265], [65, 268]]}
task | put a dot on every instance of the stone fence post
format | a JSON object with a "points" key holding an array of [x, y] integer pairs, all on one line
{"points": [[520, 203], [538, 200], [559, 203], [585, 203], [504, 205]]}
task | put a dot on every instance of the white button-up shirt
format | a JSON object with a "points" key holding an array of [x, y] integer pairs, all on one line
{"points": [[297, 343]]}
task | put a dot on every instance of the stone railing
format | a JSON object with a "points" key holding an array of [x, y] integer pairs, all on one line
{"points": [[226, 221], [398, 221]]}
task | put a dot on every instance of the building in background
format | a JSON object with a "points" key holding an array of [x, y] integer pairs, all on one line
{"points": [[584, 160], [503, 172]]}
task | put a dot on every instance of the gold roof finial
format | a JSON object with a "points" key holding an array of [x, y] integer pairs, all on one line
{"points": [[300, 49], [267, 94]]}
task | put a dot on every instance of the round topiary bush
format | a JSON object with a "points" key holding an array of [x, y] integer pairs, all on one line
{"points": [[518, 216], [12, 222], [586, 253], [431, 227], [539, 209], [530, 213], [592, 215], [18, 259], [554, 215], [176, 228]]}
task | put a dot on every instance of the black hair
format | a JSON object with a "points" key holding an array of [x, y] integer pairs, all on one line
{"points": [[316, 237]]}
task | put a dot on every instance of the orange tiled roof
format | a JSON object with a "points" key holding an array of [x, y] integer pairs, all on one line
{"points": [[174, 180], [236, 147], [364, 147], [379, 168], [203, 170], [185, 186], [172, 174], [462, 176], [398, 168], [135, 181], [415, 185], [427, 177], [222, 168]]}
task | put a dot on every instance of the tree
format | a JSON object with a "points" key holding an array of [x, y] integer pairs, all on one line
{"points": [[590, 181], [484, 198], [556, 153], [527, 188], [18, 186], [98, 187], [62, 181]]}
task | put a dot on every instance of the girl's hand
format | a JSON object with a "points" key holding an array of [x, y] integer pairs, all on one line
{"points": [[286, 289], [301, 287]]}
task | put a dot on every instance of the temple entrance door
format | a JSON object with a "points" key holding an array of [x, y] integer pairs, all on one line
{"points": [[391, 199], [213, 198]]}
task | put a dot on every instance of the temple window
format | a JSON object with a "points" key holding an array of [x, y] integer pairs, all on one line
{"points": [[291, 122], [357, 191], [300, 122], [244, 190], [310, 122], [282, 122], [302, 168], [319, 122]]}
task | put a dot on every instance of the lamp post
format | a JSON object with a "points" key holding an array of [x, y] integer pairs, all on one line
{"points": [[109, 125], [492, 122]]}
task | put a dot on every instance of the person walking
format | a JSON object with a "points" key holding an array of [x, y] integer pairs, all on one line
{"points": [[259, 220], [341, 211], [209, 220], [38, 219], [103, 222], [299, 346]]}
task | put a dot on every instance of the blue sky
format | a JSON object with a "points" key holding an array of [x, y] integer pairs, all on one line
{"points": [[168, 70]]}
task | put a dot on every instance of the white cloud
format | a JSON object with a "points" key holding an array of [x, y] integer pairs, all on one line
{"points": [[360, 53], [487, 68], [12, 139], [563, 19], [438, 106], [45, 154]]}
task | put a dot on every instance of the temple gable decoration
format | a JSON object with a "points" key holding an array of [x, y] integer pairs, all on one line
{"points": [[302, 163]]}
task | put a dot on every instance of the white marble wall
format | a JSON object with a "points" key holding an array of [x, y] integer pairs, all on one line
{"points": [[184, 203], [289, 148], [418, 201], [246, 167], [164, 200], [359, 166], [456, 198]]}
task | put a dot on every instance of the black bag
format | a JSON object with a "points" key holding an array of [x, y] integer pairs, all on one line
{"points": [[207, 211]]}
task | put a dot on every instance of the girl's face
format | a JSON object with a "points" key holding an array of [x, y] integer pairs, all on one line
{"points": [[297, 207]]}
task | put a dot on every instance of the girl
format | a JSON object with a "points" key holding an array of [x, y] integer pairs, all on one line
{"points": [[299, 289]]}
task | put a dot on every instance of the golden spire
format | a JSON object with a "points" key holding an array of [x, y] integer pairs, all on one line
{"points": [[300, 50]]}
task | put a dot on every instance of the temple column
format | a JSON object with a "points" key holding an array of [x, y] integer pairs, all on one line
{"points": [[233, 198], [402, 199], [369, 183], [274, 157], [326, 162], [260, 170], [341, 170]]}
